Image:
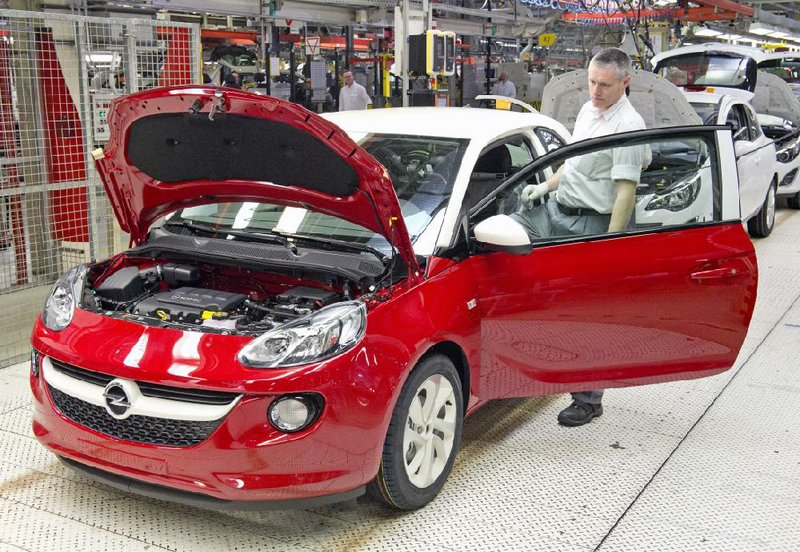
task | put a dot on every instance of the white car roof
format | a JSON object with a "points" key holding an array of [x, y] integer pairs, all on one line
{"points": [[745, 51], [706, 97], [480, 125]]}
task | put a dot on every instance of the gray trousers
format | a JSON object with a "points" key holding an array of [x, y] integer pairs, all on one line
{"points": [[588, 397]]}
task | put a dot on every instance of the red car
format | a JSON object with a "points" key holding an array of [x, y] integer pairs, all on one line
{"points": [[310, 309]]}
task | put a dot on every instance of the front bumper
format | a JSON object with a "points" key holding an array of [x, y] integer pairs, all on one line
{"points": [[244, 459], [203, 501]]}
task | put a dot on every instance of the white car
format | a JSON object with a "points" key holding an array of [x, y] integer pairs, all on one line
{"points": [[725, 68], [755, 156], [746, 73]]}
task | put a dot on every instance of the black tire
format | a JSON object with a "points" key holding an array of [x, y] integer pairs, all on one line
{"points": [[793, 201], [760, 226], [393, 485]]}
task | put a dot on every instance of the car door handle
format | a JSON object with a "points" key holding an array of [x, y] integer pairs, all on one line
{"points": [[715, 273]]}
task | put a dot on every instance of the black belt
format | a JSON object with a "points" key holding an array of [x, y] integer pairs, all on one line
{"points": [[578, 211]]}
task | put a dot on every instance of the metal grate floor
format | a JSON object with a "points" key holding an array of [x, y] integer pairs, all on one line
{"points": [[711, 464]]}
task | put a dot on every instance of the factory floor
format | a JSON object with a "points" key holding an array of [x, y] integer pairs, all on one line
{"points": [[709, 464]]}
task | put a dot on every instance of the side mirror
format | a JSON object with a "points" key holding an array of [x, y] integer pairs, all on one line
{"points": [[504, 234]]}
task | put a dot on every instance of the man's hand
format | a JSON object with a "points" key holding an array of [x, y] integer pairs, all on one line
{"points": [[532, 192]]}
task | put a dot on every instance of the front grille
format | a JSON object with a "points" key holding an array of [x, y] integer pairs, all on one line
{"points": [[198, 396], [139, 429]]}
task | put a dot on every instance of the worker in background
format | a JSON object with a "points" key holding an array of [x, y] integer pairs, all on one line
{"points": [[352, 96], [232, 80], [504, 87]]}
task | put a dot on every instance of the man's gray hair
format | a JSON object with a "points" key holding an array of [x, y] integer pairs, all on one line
{"points": [[613, 58]]}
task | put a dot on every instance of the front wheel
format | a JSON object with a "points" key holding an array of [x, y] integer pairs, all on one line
{"points": [[760, 226], [423, 436]]}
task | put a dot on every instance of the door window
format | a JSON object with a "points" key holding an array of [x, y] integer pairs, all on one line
{"points": [[752, 123], [737, 120], [659, 182], [495, 164]]}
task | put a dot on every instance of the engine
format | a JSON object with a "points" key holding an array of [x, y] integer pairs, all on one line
{"points": [[174, 295]]}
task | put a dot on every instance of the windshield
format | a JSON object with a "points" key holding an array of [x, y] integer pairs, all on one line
{"points": [[707, 111], [422, 169], [788, 68], [706, 70]]}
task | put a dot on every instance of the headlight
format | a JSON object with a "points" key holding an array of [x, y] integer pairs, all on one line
{"points": [[63, 298], [320, 335], [678, 196], [789, 152]]}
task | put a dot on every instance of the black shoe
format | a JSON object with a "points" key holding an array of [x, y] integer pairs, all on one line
{"points": [[579, 413]]}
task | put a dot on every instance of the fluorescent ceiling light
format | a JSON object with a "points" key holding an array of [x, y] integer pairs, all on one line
{"points": [[705, 31], [663, 2], [100, 58], [729, 36], [760, 29], [778, 34]]}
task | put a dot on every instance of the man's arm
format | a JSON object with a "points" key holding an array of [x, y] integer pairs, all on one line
{"points": [[623, 205]]}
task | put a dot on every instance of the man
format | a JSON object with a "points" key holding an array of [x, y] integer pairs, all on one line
{"points": [[596, 193], [232, 80], [504, 87], [352, 95]]}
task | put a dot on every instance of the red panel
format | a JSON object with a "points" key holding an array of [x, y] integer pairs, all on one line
{"points": [[178, 63], [64, 147], [8, 147]]}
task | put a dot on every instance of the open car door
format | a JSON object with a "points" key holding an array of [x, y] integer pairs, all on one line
{"points": [[650, 304]]}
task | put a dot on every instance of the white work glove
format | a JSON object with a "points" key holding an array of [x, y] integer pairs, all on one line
{"points": [[532, 192]]}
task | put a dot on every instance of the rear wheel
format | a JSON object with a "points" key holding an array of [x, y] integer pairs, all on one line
{"points": [[760, 226], [423, 437]]}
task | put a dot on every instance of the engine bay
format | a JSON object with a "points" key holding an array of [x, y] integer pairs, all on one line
{"points": [[204, 297]]}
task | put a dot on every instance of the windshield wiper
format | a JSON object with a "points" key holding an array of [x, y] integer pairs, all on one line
{"points": [[337, 244], [263, 237]]}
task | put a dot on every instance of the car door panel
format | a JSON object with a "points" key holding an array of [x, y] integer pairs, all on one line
{"points": [[613, 310], [612, 313]]}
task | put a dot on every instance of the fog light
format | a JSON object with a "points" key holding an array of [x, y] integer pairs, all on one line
{"points": [[35, 360], [293, 413]]}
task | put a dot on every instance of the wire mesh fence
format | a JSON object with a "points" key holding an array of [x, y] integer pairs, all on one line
{"points": [[58, 74]]}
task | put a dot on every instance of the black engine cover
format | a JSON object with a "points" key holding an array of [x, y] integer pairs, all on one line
{"points": [[187, 304]]}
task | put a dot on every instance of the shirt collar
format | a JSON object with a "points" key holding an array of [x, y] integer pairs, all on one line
{"points": [[612, 109]]}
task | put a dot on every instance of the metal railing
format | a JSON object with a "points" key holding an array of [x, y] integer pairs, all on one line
{"points": [[58, 74]]}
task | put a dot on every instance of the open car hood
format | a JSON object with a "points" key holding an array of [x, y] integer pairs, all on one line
{"points": [[167, 151]]}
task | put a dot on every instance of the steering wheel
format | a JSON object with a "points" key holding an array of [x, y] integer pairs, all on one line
{"points": [[416, 164], [434, 178]]}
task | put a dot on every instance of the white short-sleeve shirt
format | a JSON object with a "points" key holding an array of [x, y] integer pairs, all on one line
{"points": [[353, 97], [588, 180]]}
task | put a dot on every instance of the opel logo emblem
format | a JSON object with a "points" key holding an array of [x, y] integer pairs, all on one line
{"points": [[119, 396]]}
